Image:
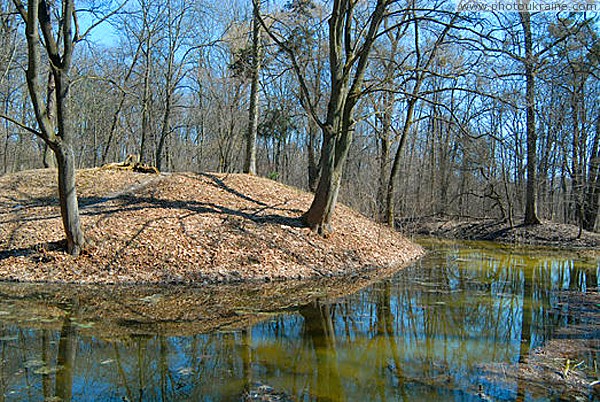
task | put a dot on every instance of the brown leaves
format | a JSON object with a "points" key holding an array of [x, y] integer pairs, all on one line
{"points": [[183, 228]]}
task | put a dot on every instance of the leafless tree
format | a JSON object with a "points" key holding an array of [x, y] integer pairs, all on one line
{"points": [[59, 38]]}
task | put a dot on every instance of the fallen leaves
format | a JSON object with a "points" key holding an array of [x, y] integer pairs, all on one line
{"points": [[185, 228]]}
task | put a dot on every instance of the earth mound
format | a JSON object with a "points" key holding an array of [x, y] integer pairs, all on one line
{"points": [[182, 228]]}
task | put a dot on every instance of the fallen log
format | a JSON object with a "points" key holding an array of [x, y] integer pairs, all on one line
{"points": [[132, 162]]}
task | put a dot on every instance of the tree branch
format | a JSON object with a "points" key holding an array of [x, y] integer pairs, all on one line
{"points": [[23, 126]]}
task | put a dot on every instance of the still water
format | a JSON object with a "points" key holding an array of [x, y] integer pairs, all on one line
{"points": [[453, 326]]}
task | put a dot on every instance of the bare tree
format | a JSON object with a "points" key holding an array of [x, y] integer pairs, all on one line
{"points": [[531, 215], [250, 159], [592, 197], [58, 42], [174, 71], [420, 74], [350, 46]]}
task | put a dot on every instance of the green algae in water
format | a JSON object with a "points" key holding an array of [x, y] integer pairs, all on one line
{"points": [[454, 326]]}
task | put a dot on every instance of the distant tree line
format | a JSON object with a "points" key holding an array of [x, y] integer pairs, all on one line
{"points": [[403, 108]]}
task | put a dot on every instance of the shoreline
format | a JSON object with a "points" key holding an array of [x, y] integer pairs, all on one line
{"points": [[547, 235]]}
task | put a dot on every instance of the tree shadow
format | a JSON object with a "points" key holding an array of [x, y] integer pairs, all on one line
{"points": [[128, 203], [37, 250], [92, 206], [221, 184], [15, 203]]}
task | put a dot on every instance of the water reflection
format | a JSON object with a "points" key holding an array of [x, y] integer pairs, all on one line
{"points": [[427, 333]]}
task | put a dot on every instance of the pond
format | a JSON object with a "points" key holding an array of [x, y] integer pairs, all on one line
{"points": [[453, 326]]}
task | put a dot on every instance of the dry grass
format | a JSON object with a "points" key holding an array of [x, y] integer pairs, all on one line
{"points": [[182, 228]]}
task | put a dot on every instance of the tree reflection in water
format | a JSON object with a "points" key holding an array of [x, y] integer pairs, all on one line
{"points": [[65, 362], [319, 335], [425, 333]]}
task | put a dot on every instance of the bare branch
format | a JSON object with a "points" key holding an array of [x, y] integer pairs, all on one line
{"points": [[78, 37], [23, 126]]}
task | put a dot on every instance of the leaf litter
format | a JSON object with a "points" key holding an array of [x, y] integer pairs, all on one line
{"points": [[182, 228]]}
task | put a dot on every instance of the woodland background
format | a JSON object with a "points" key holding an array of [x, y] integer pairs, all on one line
{"points": [[442, 113]]}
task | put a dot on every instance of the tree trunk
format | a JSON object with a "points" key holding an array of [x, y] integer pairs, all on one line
{"points": [[333, 156], [592, 197], [384, 161], [113, 129], [146, 101], [531, 217], [48, 158], [391, 188], [67, 193], [65, 160], [250, 161], [347, 72], [384, 155], [314, 166], [577, 165], [56, 136], [419, 77], [166, 129]]}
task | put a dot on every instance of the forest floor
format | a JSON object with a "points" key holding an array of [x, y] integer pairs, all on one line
{"points": [[182, 228], [546, 234]]}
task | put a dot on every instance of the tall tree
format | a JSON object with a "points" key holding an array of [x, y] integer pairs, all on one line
{"points": [[531, 215], [149, 29], [348, 60], [256, 58], [592, 196], [58, 42], [577, 62], [174, 72], [350, 41], [421, 71]]}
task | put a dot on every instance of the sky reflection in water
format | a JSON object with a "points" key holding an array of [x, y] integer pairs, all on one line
{"points": [[426, 333]]}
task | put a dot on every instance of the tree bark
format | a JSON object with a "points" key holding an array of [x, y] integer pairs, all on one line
{"points": [[333, 156], [251, 134], [314, 166], [383, 137], [347, 70], [67, 193], [531, 217], [56, 136], [48, 158], [592, 196]]}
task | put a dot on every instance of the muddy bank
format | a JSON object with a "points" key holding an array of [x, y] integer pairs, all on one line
{"points": [[183, 228], [565, 367], [546, 234]]}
